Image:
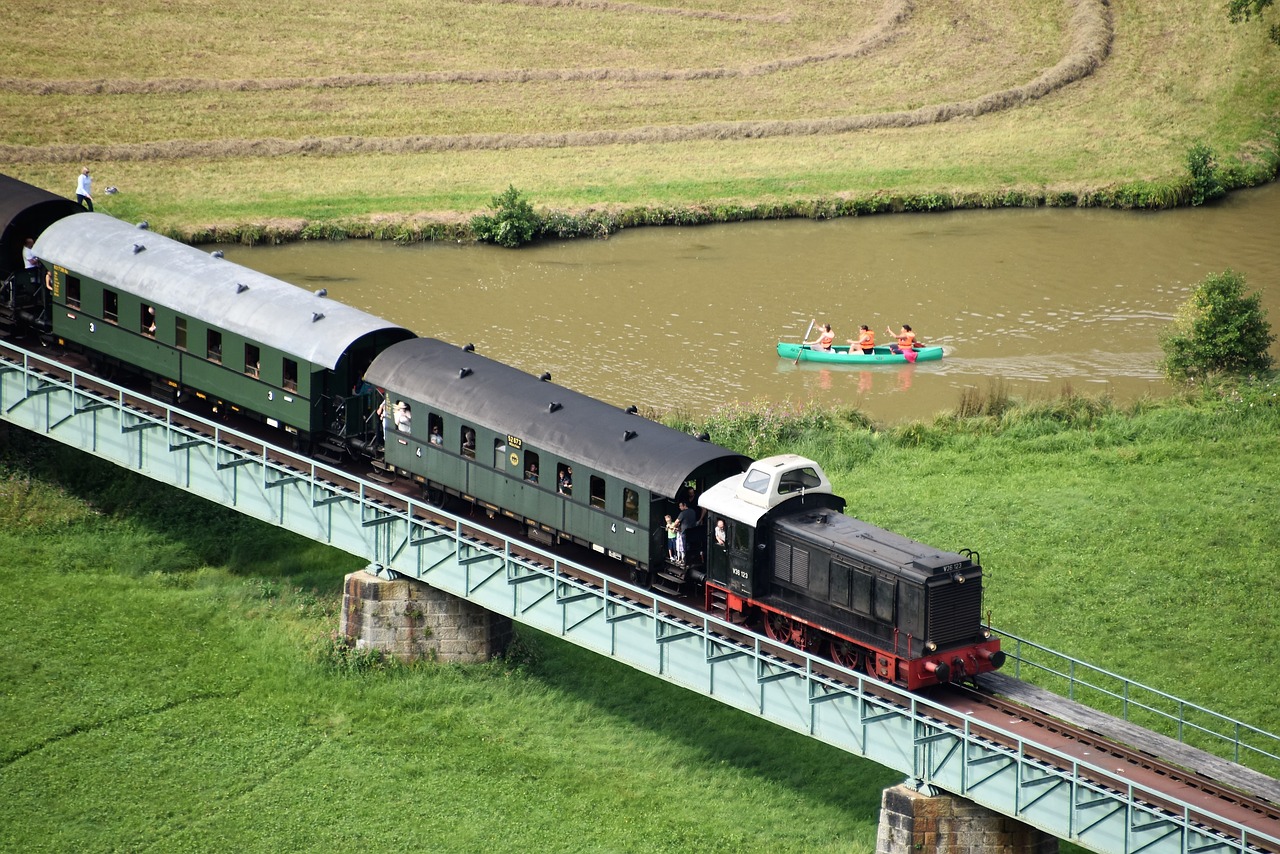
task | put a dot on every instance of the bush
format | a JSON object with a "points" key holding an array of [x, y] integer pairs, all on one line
{"points": [[1218, 330], [1205, 183], [513, 224]]}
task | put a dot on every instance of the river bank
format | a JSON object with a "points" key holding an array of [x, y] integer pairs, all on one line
{"points": [[601, 117]]}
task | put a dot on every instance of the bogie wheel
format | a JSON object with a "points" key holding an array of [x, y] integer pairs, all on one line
{"points": [[792, 633], [846, 654], [779, 628]]}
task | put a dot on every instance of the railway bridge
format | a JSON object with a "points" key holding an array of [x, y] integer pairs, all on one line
{"points": [[1033, 773]]}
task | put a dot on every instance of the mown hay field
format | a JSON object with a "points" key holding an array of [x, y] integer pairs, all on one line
{"points": [[248, 112]]}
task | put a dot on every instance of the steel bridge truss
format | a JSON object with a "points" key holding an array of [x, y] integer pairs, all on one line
{"points": [[998, 769]]}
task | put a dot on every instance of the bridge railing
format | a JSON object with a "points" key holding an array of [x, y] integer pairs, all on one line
{"points": [[1142, 705]]}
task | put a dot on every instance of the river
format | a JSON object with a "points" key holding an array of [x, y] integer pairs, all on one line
{"points": [[1039, 301]]}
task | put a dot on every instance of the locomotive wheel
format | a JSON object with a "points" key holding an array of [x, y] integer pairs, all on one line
{"points": [[788, 631], [778, 627], [846, 654]]}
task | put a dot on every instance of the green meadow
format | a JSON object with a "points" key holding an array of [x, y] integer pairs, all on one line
{"points": [[252, 122], [166, 684]]}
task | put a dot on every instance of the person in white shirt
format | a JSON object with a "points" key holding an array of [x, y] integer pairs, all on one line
{"points": [[84, 190]]}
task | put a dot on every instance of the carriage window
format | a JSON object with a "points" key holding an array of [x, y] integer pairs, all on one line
{"points": [[147, 320], [630, 504], [213, 346], [499, 453], [251, 360], [741, 537], [73, 291], [110, 305], [597, 492], [531, 467], [435, 429], [564, 479], [468, 442], [290, 375], [180, 332]]}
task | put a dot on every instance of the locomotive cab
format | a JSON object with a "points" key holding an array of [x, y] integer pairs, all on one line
{"points": [[745, 503]]}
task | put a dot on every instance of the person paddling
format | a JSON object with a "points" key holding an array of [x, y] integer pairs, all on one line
{"points": [[906, 345], [906, 338], [824, 340], [866, 340]]}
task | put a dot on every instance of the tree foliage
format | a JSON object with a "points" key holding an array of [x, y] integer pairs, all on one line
{"points": [[512, 224], [1244, 10], [1203, 166], [1218, 330]]}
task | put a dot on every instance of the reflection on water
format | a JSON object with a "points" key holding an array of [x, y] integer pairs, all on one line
{"points": [[689, 317]]}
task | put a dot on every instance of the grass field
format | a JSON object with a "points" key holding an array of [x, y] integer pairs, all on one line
{"points": [[162, 688], [287, 113]]}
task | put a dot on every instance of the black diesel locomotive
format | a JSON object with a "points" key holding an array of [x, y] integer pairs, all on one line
{"points": [[773, 549]]}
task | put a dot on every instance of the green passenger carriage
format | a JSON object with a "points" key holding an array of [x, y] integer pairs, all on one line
{"points": [[200, 326], [508, 441]]}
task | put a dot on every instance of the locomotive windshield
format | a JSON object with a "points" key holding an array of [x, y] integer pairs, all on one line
{"points": [[756, 481]]}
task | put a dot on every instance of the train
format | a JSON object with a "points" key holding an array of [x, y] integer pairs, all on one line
{"points": [[767, 543]]}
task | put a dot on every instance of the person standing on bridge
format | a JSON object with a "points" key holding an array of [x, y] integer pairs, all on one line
{"points": [[688, 523], [31, 262]]}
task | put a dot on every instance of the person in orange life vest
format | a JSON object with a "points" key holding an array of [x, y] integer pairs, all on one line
{"points": [[906, 339], [866, 340], [824, 340]]}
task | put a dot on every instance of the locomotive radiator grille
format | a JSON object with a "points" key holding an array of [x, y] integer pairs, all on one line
{"points": [[791, 564], [955, 613]]}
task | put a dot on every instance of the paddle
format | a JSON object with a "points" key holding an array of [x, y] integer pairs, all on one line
{"points": [[804, 339]]}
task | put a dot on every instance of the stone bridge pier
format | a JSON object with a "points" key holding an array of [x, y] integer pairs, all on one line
{"points": [[412, 620], [912, 822]]}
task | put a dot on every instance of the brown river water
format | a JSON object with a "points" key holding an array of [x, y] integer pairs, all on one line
{"points": [[1040, 301]]}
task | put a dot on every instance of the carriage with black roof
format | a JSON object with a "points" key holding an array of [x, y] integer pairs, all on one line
{"points": [[203, 329]]}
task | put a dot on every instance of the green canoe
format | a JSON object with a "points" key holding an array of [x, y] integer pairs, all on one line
{"points": [[841, 356]]}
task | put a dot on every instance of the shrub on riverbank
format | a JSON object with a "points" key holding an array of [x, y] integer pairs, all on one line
{"points": [[1219, 330]]}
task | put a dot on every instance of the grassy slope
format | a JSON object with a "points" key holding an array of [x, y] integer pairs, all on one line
{"points": [[210, 135], [158, 689]]}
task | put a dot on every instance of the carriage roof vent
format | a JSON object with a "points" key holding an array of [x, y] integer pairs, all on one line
{"points": [[633, 410], [468, 348], [554, 406], [546, 376], [628, 435], [323, 292], [217, 253], [138, 247], [463, 373], [317, 315], [144, 225], [241, 287]]}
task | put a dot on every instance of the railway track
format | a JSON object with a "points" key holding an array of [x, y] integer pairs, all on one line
{"points": [[1214, 803]]}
